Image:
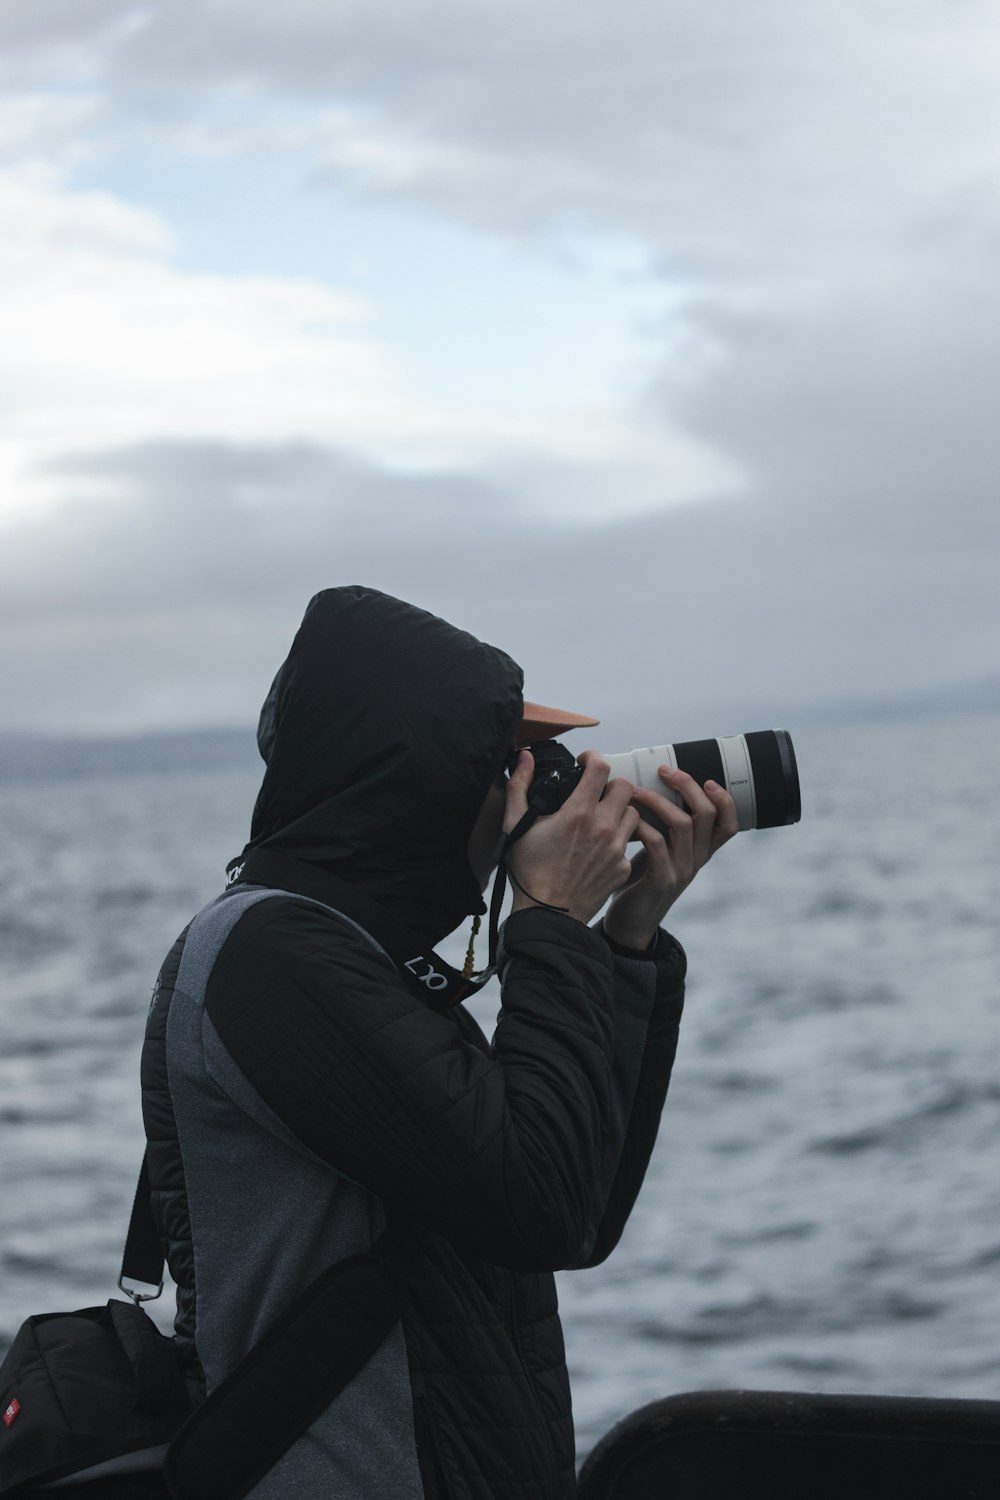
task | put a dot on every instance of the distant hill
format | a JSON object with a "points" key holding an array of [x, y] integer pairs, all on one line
{"points": [[40, 757], [28, 757], [979, 697]]}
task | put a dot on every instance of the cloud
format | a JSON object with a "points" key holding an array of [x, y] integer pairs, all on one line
{"points": [[763, 142], [43, 127], [109, 343], [737, 138], [172, 601], [106, 343], [820, 182]]}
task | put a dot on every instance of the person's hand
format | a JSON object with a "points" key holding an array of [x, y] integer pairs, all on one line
{"points": [[573, 858], [667, 863]]}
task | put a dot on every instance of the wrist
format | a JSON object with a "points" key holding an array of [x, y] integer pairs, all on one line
{"points": [[636, 939], [524, 903], [523, 898], [518, 908]]}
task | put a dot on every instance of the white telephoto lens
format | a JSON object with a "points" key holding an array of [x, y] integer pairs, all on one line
{"points": [[641, 767]]}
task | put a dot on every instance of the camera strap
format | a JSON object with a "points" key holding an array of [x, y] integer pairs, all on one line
{"points": [[425, 972], [543, 798]]}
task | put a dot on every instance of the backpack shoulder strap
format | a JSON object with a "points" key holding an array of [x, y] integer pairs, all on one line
{"points": [[143, 1257], [292, 1374]]}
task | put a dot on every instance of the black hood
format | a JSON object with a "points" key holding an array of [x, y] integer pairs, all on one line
{"points": [[382, 733]]}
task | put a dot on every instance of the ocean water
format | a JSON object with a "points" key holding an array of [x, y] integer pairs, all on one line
{"points": [[823, 1208]]}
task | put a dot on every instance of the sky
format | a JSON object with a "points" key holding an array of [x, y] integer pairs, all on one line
{"points": [[657, 343]]}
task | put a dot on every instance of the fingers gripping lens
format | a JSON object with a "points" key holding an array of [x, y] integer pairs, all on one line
{"points": [[758, 770]]}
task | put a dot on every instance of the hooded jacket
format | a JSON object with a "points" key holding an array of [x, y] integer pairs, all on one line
{"points": [[296, 1092]]}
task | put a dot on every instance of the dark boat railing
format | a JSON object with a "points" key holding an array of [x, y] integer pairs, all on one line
{"points": [[787, 1445]]}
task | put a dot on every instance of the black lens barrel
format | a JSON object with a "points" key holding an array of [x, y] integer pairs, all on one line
{"points": [[702, 760], [775, 777]]}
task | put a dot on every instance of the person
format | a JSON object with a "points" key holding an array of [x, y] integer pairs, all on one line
{"points": [[299, 1094]]}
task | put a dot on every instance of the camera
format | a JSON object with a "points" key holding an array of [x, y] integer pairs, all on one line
{"points": [[758, 770]]}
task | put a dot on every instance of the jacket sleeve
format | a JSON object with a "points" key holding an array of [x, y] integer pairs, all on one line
{"points": [[500, 1152], [649, 996]]}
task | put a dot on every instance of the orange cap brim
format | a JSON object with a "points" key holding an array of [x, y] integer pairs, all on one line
{"points": [[541, 723]]}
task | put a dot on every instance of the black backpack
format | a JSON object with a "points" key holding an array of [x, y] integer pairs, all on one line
{"points": [[96, 1399]]}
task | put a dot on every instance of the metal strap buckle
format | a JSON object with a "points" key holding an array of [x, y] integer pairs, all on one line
{"points": [[138, 1297]]}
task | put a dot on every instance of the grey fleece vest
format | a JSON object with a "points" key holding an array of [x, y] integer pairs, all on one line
{"points": [[266, 1217]]}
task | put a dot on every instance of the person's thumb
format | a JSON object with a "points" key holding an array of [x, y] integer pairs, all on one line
{"points": [[517, 790]]}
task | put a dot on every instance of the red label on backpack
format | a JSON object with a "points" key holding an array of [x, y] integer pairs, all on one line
{"points": [[11, 1412]]}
